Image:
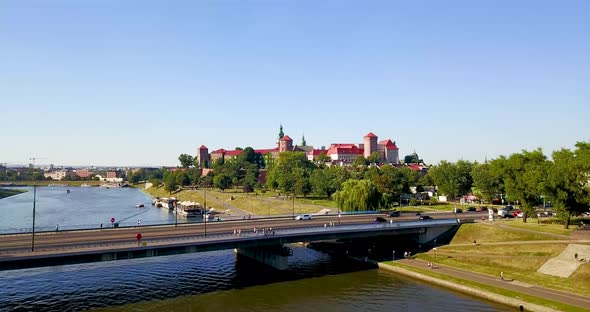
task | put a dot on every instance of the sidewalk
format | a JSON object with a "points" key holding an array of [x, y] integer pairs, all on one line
{"points": [[507, 283]]}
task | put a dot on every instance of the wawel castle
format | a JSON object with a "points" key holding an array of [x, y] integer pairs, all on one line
{"points": [[338, 153]]}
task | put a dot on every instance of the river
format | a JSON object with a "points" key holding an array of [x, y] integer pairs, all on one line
{"points": [[222, 281], [81, 208], [212, 281]]}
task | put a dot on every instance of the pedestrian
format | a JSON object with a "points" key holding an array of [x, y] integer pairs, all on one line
{"points": [[502, 275], [576, 256], [405, 254], [57, 229], [101, 226], [138, 222]]}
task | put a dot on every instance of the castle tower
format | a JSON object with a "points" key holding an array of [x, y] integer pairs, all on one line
{"points": [[303, 143], [370, 144], [285, 144], [281, 135], [203, 157]]}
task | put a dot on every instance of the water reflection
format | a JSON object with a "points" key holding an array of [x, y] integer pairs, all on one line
{"points": [[218, 281]]}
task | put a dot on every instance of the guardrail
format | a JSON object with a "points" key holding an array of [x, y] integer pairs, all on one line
{"points": [[240, 234]]}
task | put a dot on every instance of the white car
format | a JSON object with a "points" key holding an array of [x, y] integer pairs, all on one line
{"points": [[303, 217]]}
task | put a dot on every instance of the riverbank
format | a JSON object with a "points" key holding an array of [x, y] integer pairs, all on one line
{"points": [[479, 252], [9, 192], [50, 183]]}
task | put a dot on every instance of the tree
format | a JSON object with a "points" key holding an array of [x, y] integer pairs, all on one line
{"points": [[326, 181], [524, 178], [284, 173], [186, 160], [358, 195], [451, 179], [222, 181], [485, 181], [374, 158], [412, 159], [170, 182], [568, 181]]}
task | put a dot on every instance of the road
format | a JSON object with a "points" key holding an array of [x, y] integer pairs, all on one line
{"points": [[20, 244]]}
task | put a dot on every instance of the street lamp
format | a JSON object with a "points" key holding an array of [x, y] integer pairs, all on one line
{"points": [[34, 203], [293, 205], [205, 215]]}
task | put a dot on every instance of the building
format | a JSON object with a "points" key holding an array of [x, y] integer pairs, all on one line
{"points": [[346, 153], [83, 173], [56, 175], [338, 153]]}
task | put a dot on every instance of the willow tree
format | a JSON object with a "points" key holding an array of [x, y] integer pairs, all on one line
{"points": [[358, 195]]}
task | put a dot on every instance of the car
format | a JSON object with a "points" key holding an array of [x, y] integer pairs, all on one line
{"points": [[484, 208], [586, 214], [425, 218], [516, 212], [379, 220], [520, 214], [458, 210], [303, 217], [509, 207], [395, 214], [471, 209], [418, 214]]}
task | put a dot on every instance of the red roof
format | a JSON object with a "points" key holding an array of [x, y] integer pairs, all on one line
{"points": [[317, 152], [266, 151], [415, 167], [219, 151], [388, 144], [203, 147], [238, 152], [344, 149], [370, 135], [286, 138]]}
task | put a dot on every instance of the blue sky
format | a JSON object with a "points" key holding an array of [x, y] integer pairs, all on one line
{"points": [[139, 82]]}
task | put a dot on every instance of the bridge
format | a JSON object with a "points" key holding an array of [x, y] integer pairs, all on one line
{"points": [[262, 240]]}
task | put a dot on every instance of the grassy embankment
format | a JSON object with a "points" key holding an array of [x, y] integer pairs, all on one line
{"points": [[487, 288], [9, 192], [514, 255], [261, 204]]}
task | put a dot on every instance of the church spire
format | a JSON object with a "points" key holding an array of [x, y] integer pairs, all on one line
{"points": [[303, 143], [281, 134]]}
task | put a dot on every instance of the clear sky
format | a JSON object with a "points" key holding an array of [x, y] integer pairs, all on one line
{"points": [[110, 82]]}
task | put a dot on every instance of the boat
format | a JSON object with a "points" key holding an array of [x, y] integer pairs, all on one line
{"points": [[139, 206], [67, 191], [85, 185], [189, 209]]}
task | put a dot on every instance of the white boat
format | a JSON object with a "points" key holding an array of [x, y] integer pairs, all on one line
{"points": [[139, 206]]}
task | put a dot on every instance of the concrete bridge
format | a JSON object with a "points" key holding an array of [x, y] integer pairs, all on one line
{"points": [[264, 246]]}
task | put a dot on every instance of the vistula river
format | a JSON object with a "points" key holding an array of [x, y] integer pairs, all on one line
{"points": [[212, 281]]}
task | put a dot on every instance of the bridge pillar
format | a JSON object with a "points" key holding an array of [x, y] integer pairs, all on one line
{"points": [[274, 256], [429, 234]]}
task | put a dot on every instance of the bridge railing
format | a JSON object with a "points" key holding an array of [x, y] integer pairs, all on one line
{"points": [[242, 233]]}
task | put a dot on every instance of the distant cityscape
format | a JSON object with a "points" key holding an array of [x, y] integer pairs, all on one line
{"points": [[340, 154]]}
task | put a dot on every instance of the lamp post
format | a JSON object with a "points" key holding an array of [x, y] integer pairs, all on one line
{"points": [[293, 205], [205, 215], [34, 203]]}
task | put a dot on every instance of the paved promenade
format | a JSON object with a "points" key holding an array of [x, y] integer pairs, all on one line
{"points": [[507, 283]]}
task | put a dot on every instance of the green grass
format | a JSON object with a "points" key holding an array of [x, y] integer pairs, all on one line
{"points": [[542, 227], [517, 260], [257, 205], [9, 192], [493, 289], [483, 233]]}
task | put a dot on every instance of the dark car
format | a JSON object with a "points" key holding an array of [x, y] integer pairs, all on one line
{"points": [[471, 209], [380, 220], [394, 214], [458, 210], [484, 208], [425, 218]]}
